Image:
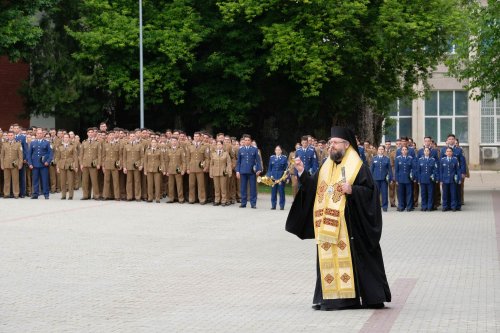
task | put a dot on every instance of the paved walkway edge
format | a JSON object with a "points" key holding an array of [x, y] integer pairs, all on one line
{"points": [[381, 321]]}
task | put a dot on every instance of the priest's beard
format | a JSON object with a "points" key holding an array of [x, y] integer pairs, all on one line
{"points": [[337, 155]]}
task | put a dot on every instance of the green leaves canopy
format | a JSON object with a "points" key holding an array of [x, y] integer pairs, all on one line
{"points": [[277, 69], [19, 31], [476, 60], [108, 34]]}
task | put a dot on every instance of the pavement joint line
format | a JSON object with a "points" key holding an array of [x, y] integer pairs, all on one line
{"points": [[138, 267], [495, 197], [381, 321], [52, 212]]}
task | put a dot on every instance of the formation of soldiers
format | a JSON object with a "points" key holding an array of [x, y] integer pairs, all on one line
{"points": [[139, 165], [143, 165], [404, 172]]}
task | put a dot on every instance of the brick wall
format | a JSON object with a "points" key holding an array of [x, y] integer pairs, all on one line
{"points": [[11, 103]]}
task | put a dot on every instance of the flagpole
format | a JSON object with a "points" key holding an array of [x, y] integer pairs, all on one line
{"points": [[141, 68]]}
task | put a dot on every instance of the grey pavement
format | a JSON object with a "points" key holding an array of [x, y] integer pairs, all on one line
{"points": [[94, 266]]}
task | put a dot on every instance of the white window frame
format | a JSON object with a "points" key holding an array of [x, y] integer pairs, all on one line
{"points": [[496, 120], [453, 117], [397, 117]]}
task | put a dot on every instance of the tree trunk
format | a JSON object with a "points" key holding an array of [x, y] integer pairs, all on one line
{"points": [[369, 123]]}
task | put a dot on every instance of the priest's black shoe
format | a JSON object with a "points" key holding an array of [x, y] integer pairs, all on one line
{"points": [[374, 306], [316, 306]]}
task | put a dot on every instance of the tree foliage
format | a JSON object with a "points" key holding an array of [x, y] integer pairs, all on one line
{"points": [[476, 60], [58, 84], [19, 31], [276, 69], [108, 34], [352, 53]]}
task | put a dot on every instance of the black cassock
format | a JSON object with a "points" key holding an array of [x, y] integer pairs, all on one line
{"points": [[364, 224]]}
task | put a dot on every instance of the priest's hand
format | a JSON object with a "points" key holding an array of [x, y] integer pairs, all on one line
{"points": [[346, 188], [299, 165]]}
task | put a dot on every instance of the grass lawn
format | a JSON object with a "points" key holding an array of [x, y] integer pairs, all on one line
{"points": [[261, 188]]}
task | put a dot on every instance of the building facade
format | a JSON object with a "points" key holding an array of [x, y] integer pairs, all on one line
{"points": [[11, 102], [448, 108], [12, 108]]}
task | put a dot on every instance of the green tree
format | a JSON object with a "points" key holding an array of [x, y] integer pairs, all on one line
{"points": [[108, 37], [19, 30], [352, 58], [60, 85], [87, 65], [476, 58]]}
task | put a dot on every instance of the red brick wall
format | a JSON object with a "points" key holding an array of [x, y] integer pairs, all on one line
{"points": [[11, 103]]}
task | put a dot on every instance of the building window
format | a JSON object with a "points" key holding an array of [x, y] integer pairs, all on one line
{"points": [[401, 121], [447, 112], [490, 120]]}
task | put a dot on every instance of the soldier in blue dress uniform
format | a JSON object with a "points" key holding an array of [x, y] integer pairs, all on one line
{"points": [[247, 167], [277, 166], [307, 155], [427, 175], [361, 151], [39, 158], [449, 176], [382, 174], [462, 167], [434, 153], [404, 143], [404, 180], [408, 142]]}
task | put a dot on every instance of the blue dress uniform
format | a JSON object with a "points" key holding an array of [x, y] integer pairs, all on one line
{"points": [[248, 164], [427, 174], [432, 153], [411, 152], [308, 158], [361, 151], [277, 166], [404, 174], [382, 174], [22, 178], [40, 153], [449, 175], [462, 169]]}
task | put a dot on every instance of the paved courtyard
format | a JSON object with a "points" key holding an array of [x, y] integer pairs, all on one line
{"points": [[95, 266]]}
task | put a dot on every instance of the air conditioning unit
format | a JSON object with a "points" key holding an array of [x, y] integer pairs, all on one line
{"points": [[490, 153]]}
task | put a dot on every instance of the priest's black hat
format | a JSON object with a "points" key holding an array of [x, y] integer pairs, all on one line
{"points": [[346, 134]]}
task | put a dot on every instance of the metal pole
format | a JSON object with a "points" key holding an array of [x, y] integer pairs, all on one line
{"points": [[141, 78]]}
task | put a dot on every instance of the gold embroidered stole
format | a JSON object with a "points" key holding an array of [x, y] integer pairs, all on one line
{"points": [[335, 261]]}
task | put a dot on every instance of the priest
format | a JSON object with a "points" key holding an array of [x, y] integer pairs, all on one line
{"points": [[339, 207]]}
